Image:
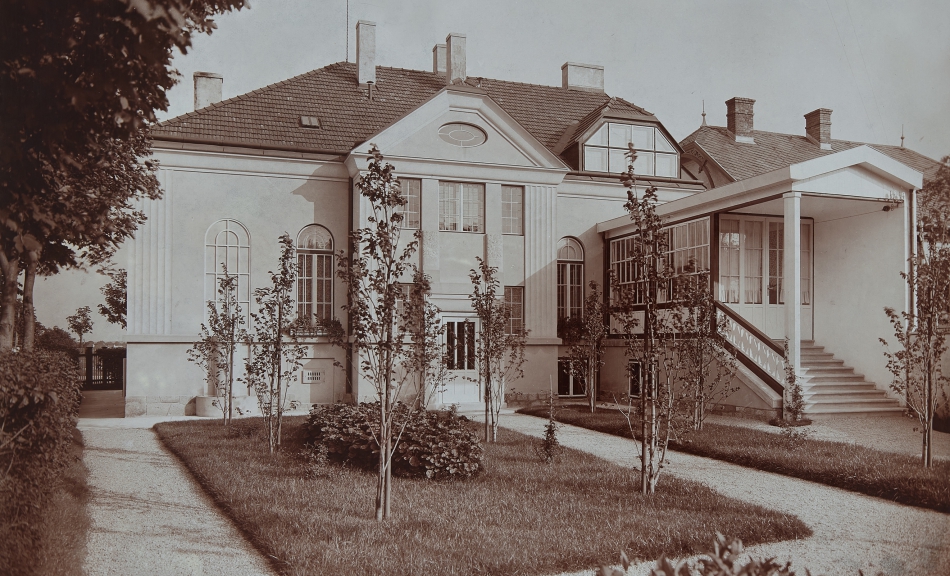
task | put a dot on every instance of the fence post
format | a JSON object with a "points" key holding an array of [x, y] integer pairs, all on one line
{"points": [[88, 353]]}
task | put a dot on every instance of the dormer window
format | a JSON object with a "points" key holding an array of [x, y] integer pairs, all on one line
{"points": [[604, 151]]}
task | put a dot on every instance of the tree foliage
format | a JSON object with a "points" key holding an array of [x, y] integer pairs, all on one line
{"points": [[218, 340], [917, 366], [81, 83], [499, 350], [115, 293], [386, 345], [274, 352], [587, 336], [81, 322]]}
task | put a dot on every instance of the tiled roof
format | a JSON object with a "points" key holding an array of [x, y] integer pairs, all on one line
{"points": [[270, 117], [772, 151]]}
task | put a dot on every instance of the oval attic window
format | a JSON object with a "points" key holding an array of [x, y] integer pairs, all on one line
{"points": [[463, 135]]}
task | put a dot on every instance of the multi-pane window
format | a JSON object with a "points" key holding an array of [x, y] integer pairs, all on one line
{"points": [[569, 382], [806, 264], [461, 207], [685, 252], [314, 275], [228, 246], [605, 151], [512, 209], [460, 345], [754, 245], [634, 379], [570, 278], [729, 261], [776, 263], [514, 300], [412, 211]]}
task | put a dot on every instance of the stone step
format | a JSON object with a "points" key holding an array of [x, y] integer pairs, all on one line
{"points": [[836, 409], [821, 362], [828, 371], [834, 387], [873, 402], [816, 379]]}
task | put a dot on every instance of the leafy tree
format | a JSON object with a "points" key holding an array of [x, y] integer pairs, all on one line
{"points": [[921, 333], [587, 336], [378, 338], [707, 366], [58, 340], [218, 341], [499, 351], [425, 360], [116, 296], [81, 82], [275, 354], [636, 308], [81, 322]]}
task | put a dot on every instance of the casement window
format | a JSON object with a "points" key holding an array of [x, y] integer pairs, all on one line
{"points": [[605, 151], [570, 278], [461, 207], [685, 252], [460, 345], [512, 210], [568, 382], [412, 212], [514, 300], [634, 379], [227, 244], [314, 275]]}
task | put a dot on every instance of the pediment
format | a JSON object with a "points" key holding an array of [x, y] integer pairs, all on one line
{"points": [[856, 181], [507, 144]]}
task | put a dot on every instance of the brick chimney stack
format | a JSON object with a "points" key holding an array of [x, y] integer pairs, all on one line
{"points": [[454, 58], [739, 118], [207, 89], [588, 77], [818, 127], [365, 52], [438, 59]]}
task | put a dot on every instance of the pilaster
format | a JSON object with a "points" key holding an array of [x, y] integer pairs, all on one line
{"points": [[540, 254], [150, 277]]}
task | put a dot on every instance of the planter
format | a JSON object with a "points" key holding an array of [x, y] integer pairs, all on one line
{"points": [[243, 406]]}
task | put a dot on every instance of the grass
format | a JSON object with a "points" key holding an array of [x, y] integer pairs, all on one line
{"points": [[518, 517], [54, 542], [896, 477]]}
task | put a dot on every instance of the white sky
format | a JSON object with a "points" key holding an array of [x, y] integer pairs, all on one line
{"points": [[878, 64]]}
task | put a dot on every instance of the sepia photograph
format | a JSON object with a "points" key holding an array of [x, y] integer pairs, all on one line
{"points": [[474, 287]]}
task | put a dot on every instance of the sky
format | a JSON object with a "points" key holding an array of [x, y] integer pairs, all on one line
{"points": [[881, 66]]}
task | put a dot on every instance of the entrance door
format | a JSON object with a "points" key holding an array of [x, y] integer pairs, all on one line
{"points": [[461, 385], [751, 272]]}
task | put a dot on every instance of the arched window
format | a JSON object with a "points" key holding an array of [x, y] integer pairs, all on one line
{"points": [[314, 275], [228, 245], [570, 278]]}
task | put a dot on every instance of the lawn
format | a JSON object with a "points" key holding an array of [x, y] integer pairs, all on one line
{"points": [[896, 477], [518, 517]]}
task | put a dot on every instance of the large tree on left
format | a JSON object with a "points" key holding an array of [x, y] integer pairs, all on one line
{"points": [[81, 82]]}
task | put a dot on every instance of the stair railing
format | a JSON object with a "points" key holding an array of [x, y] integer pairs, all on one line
{"points": [[756, 351]]}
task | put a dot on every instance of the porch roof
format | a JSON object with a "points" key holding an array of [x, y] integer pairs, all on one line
{"points": [[858, 174]]}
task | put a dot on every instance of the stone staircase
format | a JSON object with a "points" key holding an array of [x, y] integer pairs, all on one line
{"points": [[830, 387]]}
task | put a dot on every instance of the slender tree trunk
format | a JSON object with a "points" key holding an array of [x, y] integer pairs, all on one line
{"points": [[277, 359], [29, 316], [11, 273]]}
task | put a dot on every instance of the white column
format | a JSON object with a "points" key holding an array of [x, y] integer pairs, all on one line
{"points": [[793, 277]]}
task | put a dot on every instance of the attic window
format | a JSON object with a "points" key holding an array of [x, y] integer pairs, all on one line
{"points": [[605, 150], [310, 122]]}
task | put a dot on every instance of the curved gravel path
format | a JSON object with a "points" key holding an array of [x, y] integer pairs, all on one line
{"points": [[150, 517], [852, 531]]}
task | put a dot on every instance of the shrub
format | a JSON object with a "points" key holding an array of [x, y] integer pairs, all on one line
{"points": [[56, 339], [724, 560], [39, 402], [434, 444]]}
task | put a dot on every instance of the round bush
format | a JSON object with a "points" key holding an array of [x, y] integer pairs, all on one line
{"points": [[434, 444]]}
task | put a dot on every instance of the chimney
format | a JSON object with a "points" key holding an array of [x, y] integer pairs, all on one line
{"points": [[739, 118], [587, 77], [365, 52], [818, 127], [207, 89], [438, 59], [454, 58]]}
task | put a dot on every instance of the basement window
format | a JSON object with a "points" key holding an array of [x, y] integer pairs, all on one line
{"points": [[310, 122]]}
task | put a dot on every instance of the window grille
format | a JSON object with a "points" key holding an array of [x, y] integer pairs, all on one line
{"points": [[512, 210], [314, 278], [227, 243], [461, 207]]}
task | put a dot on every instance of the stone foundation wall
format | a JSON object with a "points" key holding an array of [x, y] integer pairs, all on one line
{"points": [[764, 414], [159, 406]]}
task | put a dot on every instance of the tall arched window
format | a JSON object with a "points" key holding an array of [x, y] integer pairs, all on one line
{"points": [[570, 278], [227, 244], [314, 275]]}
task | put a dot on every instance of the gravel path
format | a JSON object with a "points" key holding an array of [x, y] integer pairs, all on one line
{"points": [[148, 514], [852, 531]]}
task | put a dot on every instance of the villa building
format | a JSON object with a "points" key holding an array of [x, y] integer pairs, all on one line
{"points": [[526, 177]]}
